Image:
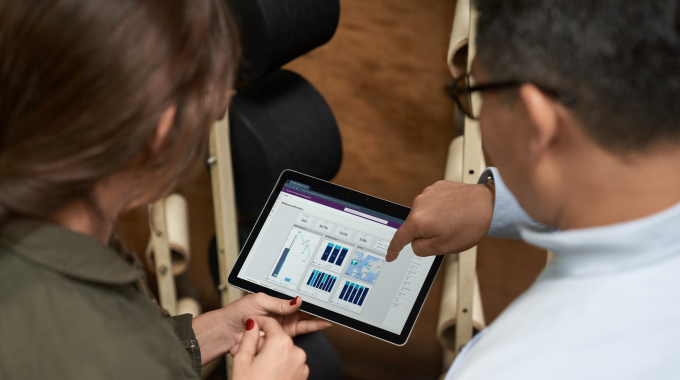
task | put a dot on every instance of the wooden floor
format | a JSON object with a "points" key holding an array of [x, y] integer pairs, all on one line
{"points": [[383, 75]]}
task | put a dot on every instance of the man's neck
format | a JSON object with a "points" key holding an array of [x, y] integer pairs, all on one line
{"points": [[608, 189]]}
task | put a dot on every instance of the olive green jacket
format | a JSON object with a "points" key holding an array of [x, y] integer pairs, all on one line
{"points": [[73, 308]]}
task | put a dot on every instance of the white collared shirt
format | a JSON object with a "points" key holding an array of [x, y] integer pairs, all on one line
{"points": [[606, 307]]}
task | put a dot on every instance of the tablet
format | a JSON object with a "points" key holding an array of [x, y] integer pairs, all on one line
{"points": [[327, 244]]}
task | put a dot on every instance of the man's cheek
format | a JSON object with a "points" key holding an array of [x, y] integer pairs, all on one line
{"points": [[491, 139]]}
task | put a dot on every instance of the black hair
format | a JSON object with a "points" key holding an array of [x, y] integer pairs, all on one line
{"points": [[620, 59]]}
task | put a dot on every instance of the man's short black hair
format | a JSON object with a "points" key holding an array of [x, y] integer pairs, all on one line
{"points": [[620, 59]]}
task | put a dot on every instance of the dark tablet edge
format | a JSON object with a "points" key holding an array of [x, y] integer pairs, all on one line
{"points": [[352, 196]]}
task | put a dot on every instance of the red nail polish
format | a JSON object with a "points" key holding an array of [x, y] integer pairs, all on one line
{"points": [[250, 324], [293, 301]]}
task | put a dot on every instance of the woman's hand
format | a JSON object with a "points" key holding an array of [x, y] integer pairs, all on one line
{"points": [[276, 358], [220, 331], [285, 312]]}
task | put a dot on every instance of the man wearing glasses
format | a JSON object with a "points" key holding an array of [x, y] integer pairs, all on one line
{"points": [[581, 115]]}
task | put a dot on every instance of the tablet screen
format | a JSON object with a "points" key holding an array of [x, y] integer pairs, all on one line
{"points": [[332, 254]]}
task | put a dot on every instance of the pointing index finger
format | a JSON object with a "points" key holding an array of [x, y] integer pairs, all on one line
{"points": [[406, 234]]}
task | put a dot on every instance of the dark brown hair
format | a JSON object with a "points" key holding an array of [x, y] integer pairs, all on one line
{"points": [[83, 84]]}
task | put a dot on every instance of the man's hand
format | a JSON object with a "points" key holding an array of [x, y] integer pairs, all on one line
{"points": [[448, 217]]}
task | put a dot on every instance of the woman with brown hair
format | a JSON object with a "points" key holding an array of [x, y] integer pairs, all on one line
{"points": [[103, 105]]}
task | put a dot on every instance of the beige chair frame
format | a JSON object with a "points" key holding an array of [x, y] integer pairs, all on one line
{"points": [[224, 204], [461, 306]]}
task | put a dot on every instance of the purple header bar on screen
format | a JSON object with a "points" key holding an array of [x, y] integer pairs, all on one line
{"points": [[334, 205]]}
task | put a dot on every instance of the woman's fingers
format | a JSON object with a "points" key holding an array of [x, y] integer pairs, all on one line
{"points": [[249, 342], [234, 350], [311, 325], [277, 306], [293, 326], [269, 326], [279, 358]]}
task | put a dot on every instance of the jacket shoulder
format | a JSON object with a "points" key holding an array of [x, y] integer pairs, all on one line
{"points": [[78, 329]]}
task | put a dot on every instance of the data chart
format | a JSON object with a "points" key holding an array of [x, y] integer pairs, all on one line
{"points": [[318, 283], [333, 254], [294, 257], [351, 295]]}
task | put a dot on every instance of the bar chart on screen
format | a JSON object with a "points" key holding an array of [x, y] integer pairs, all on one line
{"points": [[351, 295], [318, 283], [295, 255], [333, 254]]}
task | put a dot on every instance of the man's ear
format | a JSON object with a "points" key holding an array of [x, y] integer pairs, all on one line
{"points": [[163, 127], [544, 118]]}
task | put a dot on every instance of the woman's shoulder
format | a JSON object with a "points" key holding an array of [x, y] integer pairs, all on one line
{"points": [[47, 301], [71, 315], [41, 263]]}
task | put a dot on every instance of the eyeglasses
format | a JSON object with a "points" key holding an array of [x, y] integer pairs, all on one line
{"points": [[460, 91]]}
